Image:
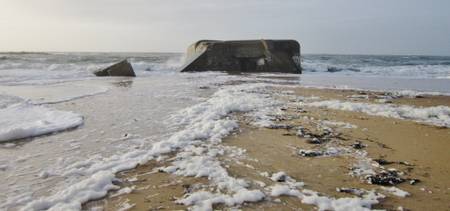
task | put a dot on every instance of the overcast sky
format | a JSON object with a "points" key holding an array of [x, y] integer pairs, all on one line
{"points": [[321, 26]]}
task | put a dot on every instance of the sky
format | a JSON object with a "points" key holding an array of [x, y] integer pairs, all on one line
{"points": [[321, 26]]}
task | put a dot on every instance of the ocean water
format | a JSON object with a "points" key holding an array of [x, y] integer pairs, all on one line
{"points": [[111, 124], [44, 68], [383, 66]]}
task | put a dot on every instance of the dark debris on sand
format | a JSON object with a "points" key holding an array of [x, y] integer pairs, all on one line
{"points": [[358, 145], [310, 153], [385, 178]]}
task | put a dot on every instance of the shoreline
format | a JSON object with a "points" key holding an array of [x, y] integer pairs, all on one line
{"points": [[275, 150]]}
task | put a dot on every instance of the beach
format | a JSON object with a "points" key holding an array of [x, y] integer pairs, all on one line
{"points": [[224, 105], [173, 141], [417, 150]]}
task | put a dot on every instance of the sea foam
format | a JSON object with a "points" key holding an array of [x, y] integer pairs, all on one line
{"points": [[199, 146], [435, 115], [21, 119]]}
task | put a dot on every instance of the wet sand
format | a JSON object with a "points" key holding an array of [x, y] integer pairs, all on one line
{"points": [[417, 150], [111, 120]]}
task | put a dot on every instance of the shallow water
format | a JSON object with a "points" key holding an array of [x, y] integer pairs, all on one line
{"points": [[131, 115]]}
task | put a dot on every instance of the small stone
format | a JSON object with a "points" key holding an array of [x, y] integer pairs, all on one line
{"points": [[383, 161], [314, 141], [309, 153], [405, 163], [358, 145], [414, 181], [354, 191], [279, 177]]}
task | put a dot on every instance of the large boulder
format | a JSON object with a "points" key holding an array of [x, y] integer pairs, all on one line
{"points": [[122, 68], [244, 56]]}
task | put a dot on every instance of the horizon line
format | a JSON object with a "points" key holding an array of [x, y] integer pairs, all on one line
{"points": [[173, 52]]}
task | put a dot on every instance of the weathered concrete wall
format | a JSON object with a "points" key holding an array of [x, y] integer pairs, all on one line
{"points": [[122, 68], [244, 56]]}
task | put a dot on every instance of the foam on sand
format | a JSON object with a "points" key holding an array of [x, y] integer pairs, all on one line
{"points": [[436, 115], [345, 125], [396, 191], [290, 187], [93, 188], [20, 119], [205, 125], [198, 146]]}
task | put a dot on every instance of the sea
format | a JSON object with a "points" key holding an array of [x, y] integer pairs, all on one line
{"points": [[64, 133], [50, 68]]}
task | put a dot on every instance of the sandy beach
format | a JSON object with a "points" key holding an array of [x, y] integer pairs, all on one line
{"points": [[324, 156], [167, 140]]}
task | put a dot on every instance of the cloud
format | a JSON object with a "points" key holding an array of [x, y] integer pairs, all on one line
{"points": [[339, 26]]}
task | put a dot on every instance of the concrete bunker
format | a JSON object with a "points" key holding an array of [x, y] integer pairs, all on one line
{"points": [[122, 68], [244, 56]]}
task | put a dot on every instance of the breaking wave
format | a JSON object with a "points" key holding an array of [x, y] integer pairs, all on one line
{"points": [[385, 66], [46, 68]]}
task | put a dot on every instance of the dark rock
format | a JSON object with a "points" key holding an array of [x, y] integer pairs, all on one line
{"points": [[312, 138], [187, 188], [122, 68], [315, 140], [414, 181], [279, 177], [386, 178], [333, 69], [358, 145], [383, 161], [353, 191], [117, 182]]}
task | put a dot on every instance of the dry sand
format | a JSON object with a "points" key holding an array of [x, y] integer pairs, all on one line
{"points": [[425, 148]]}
